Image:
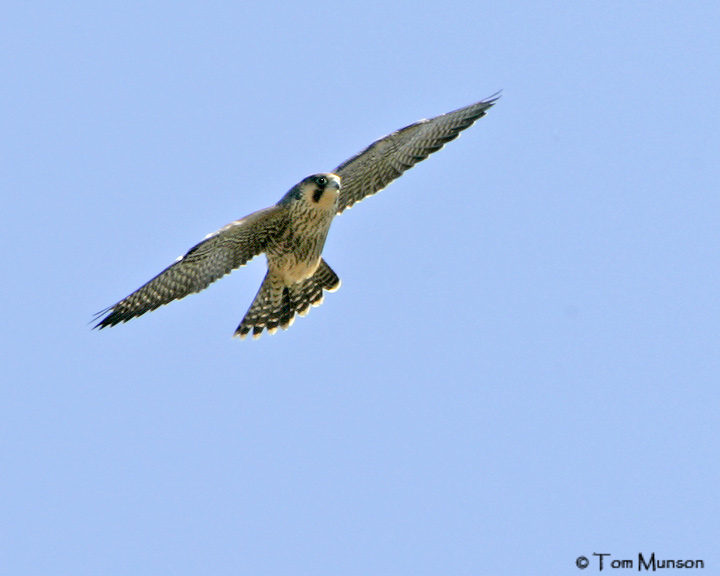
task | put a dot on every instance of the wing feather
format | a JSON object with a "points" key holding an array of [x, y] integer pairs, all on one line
{"points": [[218, 254], [389, 157]]}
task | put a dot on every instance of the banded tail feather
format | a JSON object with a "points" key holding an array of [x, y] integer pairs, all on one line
{"points": [[276, 304]]}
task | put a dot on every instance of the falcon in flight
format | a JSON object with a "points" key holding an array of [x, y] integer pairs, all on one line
{"points": [[292, 233]]}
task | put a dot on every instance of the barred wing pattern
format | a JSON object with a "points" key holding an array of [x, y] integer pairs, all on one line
{"points": [[218, 254], [388, 158]]}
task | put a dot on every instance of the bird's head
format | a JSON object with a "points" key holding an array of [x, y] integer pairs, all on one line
{"points": [[317, 191]]}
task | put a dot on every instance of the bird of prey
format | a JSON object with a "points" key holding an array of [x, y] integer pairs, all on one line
{"points": [[292, 233]]}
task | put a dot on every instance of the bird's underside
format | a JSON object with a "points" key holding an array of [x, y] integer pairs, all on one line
{"points": [[292, 232]]}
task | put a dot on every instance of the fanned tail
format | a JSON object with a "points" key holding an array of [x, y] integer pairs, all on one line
{"points": [[276, 304]]}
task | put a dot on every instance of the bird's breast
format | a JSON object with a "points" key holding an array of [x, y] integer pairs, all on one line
{"points": [[295, 254], [296, 258]]}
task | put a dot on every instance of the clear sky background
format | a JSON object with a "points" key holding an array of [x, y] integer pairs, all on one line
{"points": [[521, 366]]}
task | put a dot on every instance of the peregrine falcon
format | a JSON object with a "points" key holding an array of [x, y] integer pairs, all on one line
{"points": [[292, 233]]}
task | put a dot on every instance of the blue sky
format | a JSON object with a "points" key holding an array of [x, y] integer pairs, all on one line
{"points": [[521, 366]]}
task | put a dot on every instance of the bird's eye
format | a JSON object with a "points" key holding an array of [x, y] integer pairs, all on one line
{"points": [[322, 181]]}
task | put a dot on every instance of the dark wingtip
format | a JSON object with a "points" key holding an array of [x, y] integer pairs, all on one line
{"points": [[101, 322], [109, 317], [97, 319], [493, 98], [490, 101]]}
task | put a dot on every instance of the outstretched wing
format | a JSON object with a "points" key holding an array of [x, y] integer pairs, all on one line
{"points": [[386, 159], [218, 254]]}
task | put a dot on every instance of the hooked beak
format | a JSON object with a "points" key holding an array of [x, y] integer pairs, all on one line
{"points": [[334, 182]]}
